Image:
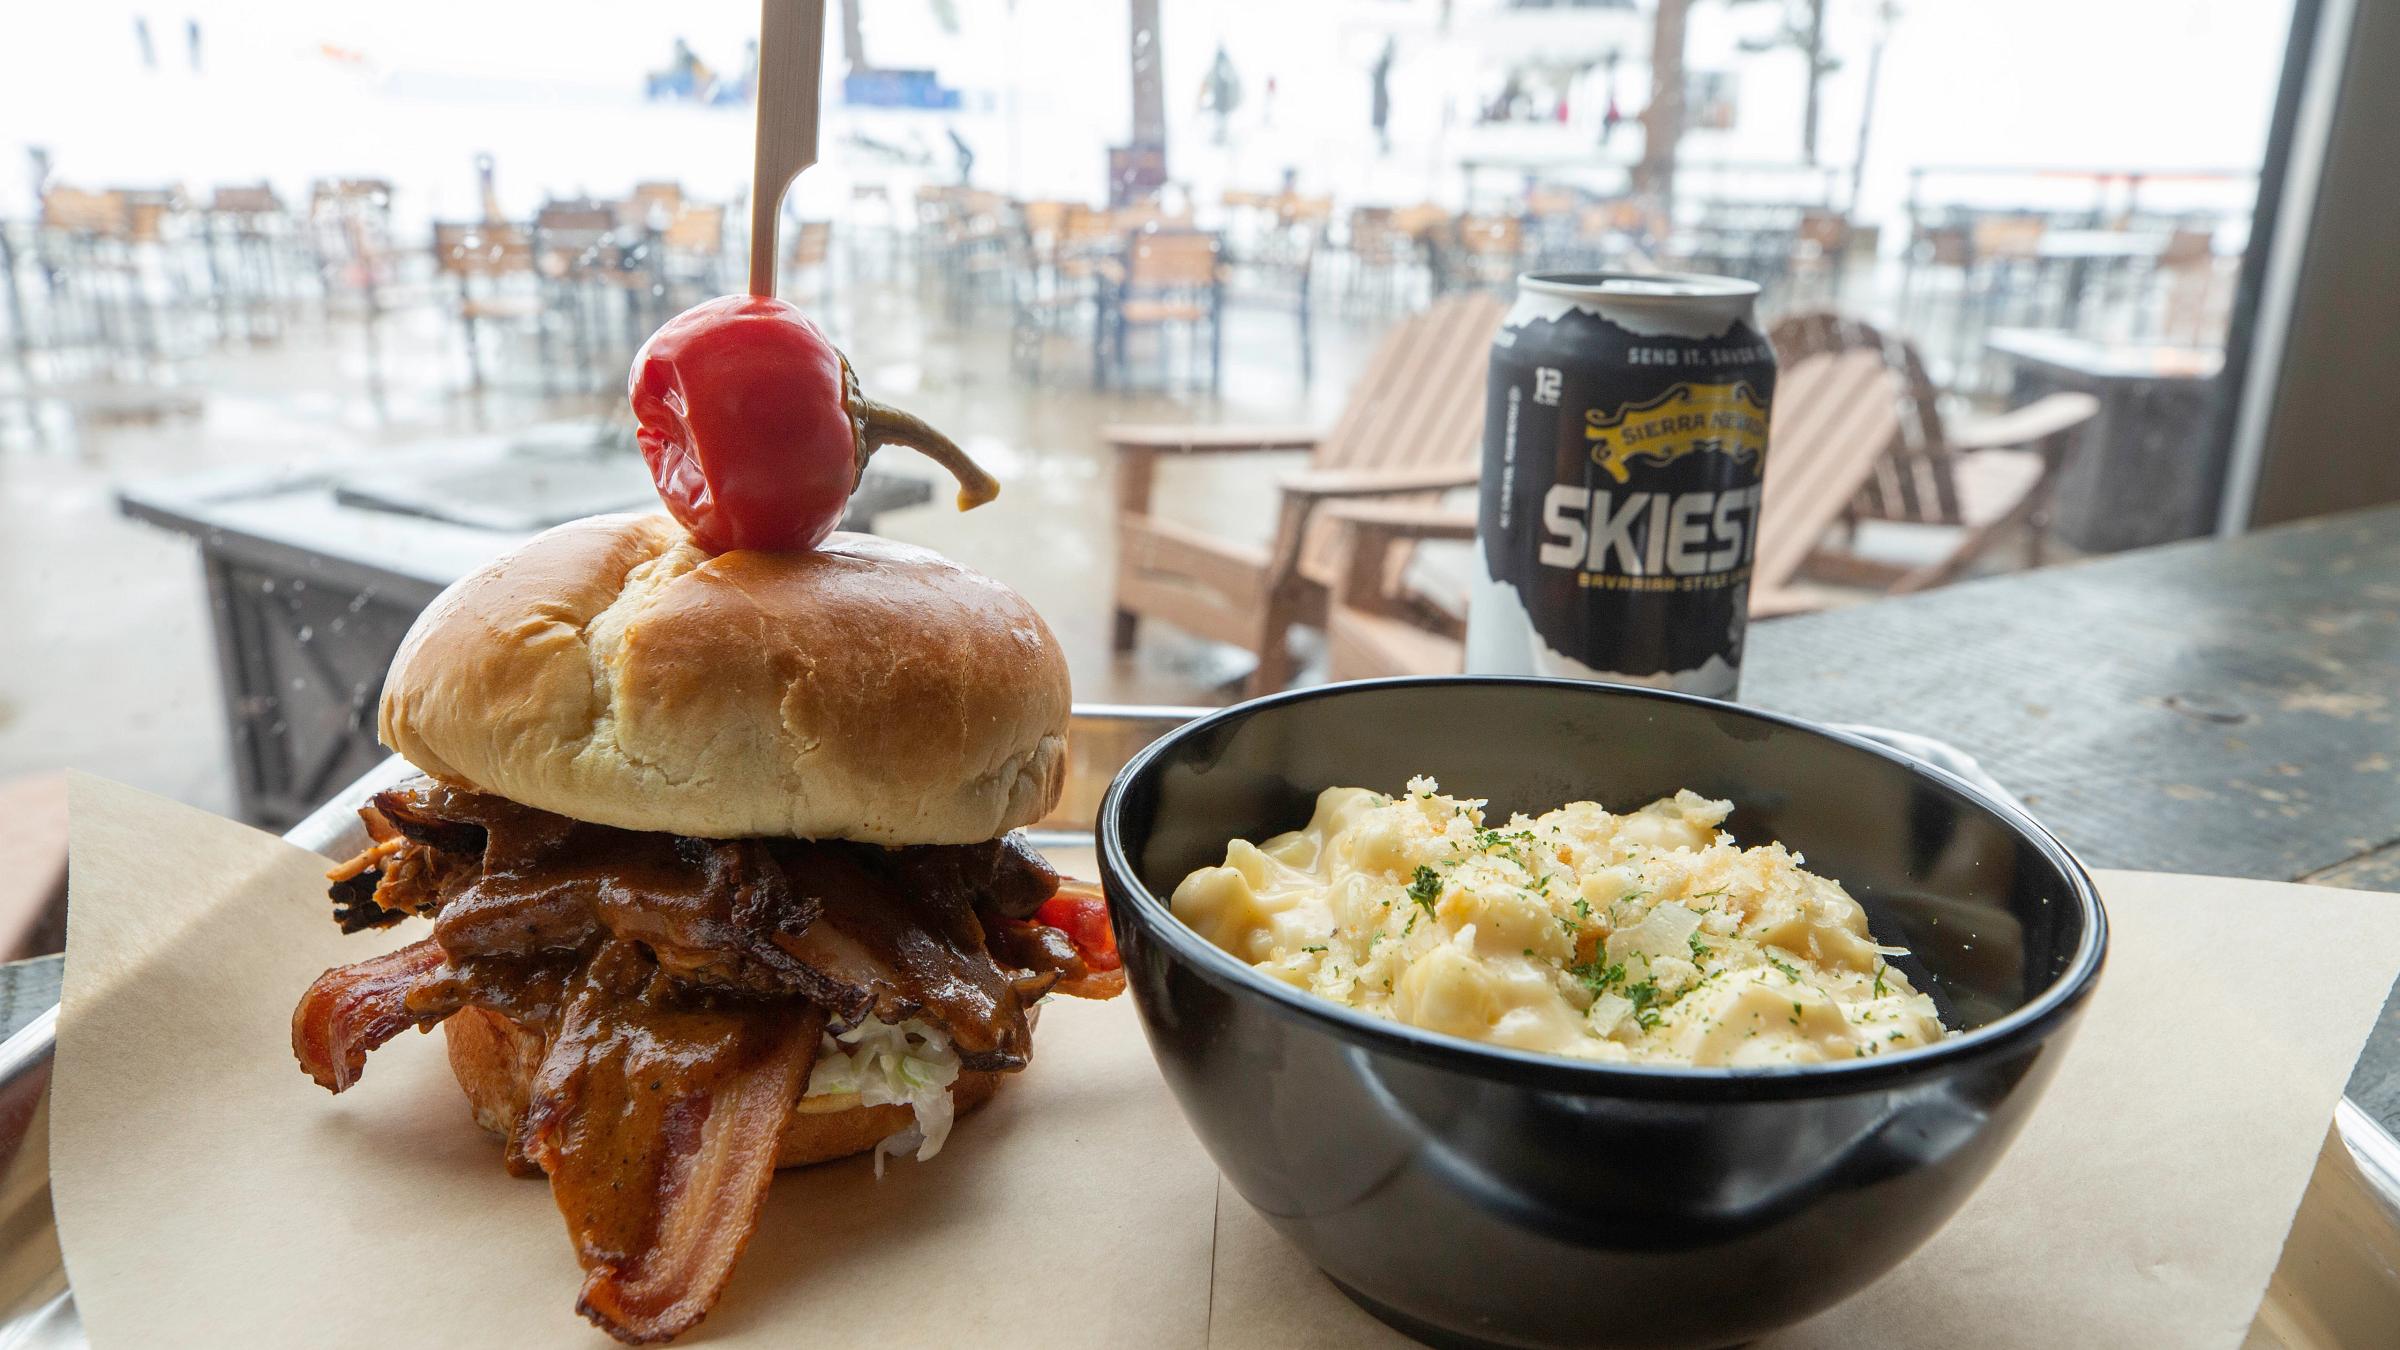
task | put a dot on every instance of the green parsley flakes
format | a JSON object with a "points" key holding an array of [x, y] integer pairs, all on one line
{"points": [[1646, 1003], [1425, 887], [1597, 977]]}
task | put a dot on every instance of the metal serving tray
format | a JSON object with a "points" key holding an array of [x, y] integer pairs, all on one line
{"points": [[2338, 1284]]}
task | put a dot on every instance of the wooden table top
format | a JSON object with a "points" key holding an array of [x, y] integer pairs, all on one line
{"points": [[2221, 707]]}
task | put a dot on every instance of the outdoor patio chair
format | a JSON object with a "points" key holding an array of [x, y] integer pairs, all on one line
{"points": [[251, 246], [115, 313], [1276, 269], [809, 254], [1086, 238], [500, 255], [871, 229], [1051, 291], [350, 233], [1412, 429], [692, 253], [1150, 213], [1989, 478], [652, 204], [1479, 251], [1383, 259], [1820, 250], [581, 271], [1422, 221], [1834, 419], [1166, 278]]}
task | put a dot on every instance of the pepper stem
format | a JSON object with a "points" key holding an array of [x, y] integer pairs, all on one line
{"points": [[887, 425]]}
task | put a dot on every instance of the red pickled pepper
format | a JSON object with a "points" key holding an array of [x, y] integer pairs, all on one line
{"points": [[755, 430], [1084, 919]]}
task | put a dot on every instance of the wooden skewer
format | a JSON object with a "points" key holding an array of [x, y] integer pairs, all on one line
{"points": [[791, 56]]}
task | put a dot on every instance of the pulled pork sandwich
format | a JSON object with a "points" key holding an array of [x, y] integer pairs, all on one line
{"points": [[719, 859]]}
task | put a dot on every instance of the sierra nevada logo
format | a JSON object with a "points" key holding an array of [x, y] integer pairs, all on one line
{"points": [[1689, 419]]}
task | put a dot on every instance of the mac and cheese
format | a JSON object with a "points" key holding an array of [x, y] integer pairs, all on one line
{"points": [[1649, 937]]}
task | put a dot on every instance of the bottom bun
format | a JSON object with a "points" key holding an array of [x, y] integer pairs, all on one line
{"points": [[495, 1060]]}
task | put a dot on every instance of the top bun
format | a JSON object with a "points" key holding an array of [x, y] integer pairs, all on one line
{"points": [[612, 671]]}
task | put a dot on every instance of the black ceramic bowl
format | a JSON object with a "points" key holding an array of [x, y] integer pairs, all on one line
{"points": [[1472, 1195]]}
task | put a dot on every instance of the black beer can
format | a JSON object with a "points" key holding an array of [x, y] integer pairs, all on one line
{"points": [[1624, 444]]}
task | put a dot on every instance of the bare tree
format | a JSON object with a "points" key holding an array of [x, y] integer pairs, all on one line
{"points": [[1803, 29], [1149, 84], [854, 39], [1886, 14], [1662, 121]]}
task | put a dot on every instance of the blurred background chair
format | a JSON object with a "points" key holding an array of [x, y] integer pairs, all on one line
{"points": [[578, 264], [808, 261], [692, 254], [1381, 260], [1275, 268], [1485, 251], [252, 245], [491, 264], [1051, 290], [107, 304], [1166, 279], [349, 228], [654, 203], [1819, 263]]}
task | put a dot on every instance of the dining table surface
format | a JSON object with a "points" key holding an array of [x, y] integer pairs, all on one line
{"points": [[2220, 706], [2226, 707]]}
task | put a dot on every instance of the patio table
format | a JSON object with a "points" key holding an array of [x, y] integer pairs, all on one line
{"points": [[2145, 474], [2087, 256], [2226, 707]]}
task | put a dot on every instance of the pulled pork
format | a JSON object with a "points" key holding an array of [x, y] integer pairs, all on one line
{"points": [[678, 988]]}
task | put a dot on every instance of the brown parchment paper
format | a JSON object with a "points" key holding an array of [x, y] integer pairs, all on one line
{"points": [[208, 1192]]}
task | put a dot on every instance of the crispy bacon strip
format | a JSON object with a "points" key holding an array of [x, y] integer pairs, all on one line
{"points": [[1098, 984], [352, 1009], [366, 859], [658, 1124], [882, 947]]}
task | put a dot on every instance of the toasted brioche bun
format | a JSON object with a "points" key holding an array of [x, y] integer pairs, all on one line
{"points": [[612, 671], [494, 1061]]}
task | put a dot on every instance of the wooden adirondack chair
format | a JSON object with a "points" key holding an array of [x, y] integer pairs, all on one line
{"points": [[1856, 435], [1413, 428], [1991, 478], [1834, 418]]}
